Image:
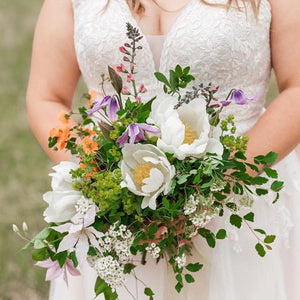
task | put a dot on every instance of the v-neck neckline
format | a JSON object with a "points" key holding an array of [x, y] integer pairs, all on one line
{"points": [[167, 36]]}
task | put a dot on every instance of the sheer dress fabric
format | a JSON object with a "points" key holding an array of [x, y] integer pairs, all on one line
{"points": [[232, 50]]}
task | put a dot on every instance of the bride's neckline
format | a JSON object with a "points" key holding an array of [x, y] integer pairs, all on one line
{"points": [[166, 37]]}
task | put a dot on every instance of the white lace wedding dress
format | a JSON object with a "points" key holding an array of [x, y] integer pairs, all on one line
{"points": [[230, 49]]}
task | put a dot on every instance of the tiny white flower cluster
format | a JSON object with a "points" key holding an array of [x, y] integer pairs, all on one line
{"points": [[117, 241], [110, 271], [201, 219], [181, 260], [153, 250], [114, 253], [191, 205], [83, 205], [218, 185], [246, 201]]}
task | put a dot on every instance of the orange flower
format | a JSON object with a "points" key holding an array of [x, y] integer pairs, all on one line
{"points": [[89, 145], [94, 169], [63, 118], [62, 133], [93, 95]]}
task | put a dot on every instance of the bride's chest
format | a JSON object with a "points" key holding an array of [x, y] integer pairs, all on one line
{"points": [[216, 43]]}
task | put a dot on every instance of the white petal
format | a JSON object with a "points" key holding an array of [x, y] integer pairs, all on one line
{"points": [[82, 248], [215, 146], [68, 242], [154, 182]]}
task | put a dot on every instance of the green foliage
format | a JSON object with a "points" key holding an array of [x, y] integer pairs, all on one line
{"points": [[194, 267], [148, 292], [236, 220], [260, 249], [178, 79]]}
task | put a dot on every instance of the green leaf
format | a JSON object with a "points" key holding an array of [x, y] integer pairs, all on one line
{"points": [[238, 189], [74, 259], [27, 246], [38, 244], [253, 167], [276, 198], [149, 292], [270, 158], [236, 220], [100, 286], [128, 268], [182, 179], [271, 172], [40, 254], [259, 180], [261, 192], [209, 236], [221, 234], [178, 287], [61, 257], [179, 278], [178, 70], [260, 231], [232, 206], [260, 249], [269, 239], [43, 234], [240, 155], [189, 278], [153, 229], [194, 267], [276, 186], [161, 77], [249, 217], [186, 70], [165, 203]]}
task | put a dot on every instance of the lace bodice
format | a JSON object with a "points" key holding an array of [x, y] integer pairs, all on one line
{"points": [[228, 48]]}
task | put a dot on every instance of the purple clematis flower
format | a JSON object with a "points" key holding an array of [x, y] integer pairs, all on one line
{"points": [[111, 104], [54, 270], [239, 97], [136, 133]]}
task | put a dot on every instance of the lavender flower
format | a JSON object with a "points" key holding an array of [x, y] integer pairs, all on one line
{"points": [[111, 104], [136, 133], [238, 97]]}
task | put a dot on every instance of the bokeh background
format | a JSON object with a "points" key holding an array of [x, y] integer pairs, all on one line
{"points": [[23, 165]]}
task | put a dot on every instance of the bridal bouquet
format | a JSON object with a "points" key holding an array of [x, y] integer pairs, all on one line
{"points": [[147, 178]]}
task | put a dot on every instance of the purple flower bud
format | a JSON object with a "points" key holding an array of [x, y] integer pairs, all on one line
{"points": [[125, 58], [225, 103]]}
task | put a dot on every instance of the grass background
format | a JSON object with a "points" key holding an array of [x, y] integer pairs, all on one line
{"points": [[24, 167]]}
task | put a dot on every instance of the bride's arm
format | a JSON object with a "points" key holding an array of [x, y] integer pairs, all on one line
{"points": [[279, 128], [54, 71]]}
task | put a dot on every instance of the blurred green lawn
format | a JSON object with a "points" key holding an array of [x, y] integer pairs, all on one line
{"points": [[24, 167]]}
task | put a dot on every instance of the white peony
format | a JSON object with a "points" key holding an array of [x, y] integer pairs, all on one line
{"points": [[185, 131], [146, 171], [63, 198]]}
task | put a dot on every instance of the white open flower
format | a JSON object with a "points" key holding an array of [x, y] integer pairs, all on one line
{"points": [[63, 198], [146, 171], [185, 131]]}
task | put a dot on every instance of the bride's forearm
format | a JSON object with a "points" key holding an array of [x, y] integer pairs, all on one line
{"points": [[42, 117], [278, 129]]}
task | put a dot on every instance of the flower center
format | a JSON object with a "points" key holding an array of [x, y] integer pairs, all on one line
{"points": [[189, 134], [142, 172]]}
